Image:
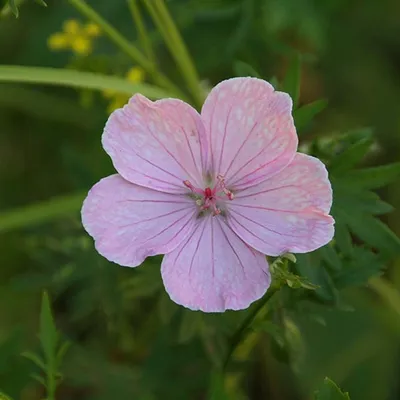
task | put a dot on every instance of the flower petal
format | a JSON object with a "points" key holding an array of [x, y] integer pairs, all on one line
{"points": [[250, 131], [130, 222], [214, 270], [157, 144], [288, 212]]}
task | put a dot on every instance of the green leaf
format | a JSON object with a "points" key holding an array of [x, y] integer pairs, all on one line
{"points": [[305, 114], [61, 352], [372, 178], [351, 156], [40, 212], [276, 331], [330, 391], [13, 8], [329, 255], [240, 68], [309, 266], [4, 397], [77, 79], [35, 359], [280, 273], [47, 332], [343, 238], [358, 201], [375, 233], [41, 3], [360, 269], [291, 83], [39, 378]]}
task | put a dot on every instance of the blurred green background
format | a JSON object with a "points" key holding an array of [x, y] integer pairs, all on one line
{"points": [[129, 341]]}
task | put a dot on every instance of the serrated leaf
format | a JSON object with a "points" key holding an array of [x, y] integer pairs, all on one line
{"points": [[310, 267], [360, 269], [240, 68], [358, 201], [343, 238], [47, 332], [373, 178], [350, 156], [291, 83], [329, 255], [374, 232], [35, 359], [304, 115], [330, 391]]}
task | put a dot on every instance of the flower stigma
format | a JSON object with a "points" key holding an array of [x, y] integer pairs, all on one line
{"points": [[211, 199]]}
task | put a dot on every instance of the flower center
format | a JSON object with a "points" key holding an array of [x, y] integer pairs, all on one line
{"points": [[211, 199]]}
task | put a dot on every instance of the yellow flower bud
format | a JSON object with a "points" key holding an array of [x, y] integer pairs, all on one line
{"points": [[92, 29], [135, 74], [81, 45], [58, 41], [71, 27]]}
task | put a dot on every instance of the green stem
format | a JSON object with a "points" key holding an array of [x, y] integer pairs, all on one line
{"points": [[141, 30], [51, 384], [238, 335], [126, 46], [177, 48]]}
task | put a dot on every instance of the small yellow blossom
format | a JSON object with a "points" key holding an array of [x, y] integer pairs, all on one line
{"points": [[82, 46], [135, 74], [92, 29], [58, 41], [72, 27], [118, 100], [75, 37]]}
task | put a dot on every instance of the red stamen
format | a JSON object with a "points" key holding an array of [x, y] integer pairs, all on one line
{"points": [[208, 192]]}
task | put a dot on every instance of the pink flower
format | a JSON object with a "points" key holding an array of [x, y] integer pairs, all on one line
{"points": [[213, 192]]}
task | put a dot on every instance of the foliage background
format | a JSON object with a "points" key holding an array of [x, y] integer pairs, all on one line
{"points": [[128, 340]]}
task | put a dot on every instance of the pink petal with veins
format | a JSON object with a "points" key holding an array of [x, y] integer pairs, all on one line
{"points": [[288, 212], [157, 144], [213, 270], [250, 131], [130, 222]]}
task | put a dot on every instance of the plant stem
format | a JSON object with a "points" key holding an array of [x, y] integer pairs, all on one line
{"points": [[238, 335], [141, 30], [51, 384], [126, 46], [177, 48]]}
